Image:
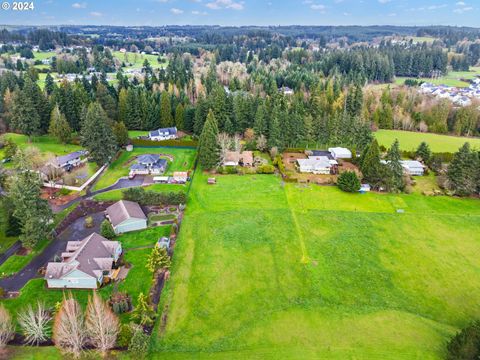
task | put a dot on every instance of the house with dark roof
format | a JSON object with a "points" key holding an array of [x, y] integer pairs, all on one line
{"points": [[68, 161], [126, 216], [163, 134], [148, 164], [86, 264]]}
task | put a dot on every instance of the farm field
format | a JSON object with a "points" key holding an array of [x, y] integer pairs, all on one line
{"points": [[453, 78], [281, 271], [183, 161], [409, 140]]}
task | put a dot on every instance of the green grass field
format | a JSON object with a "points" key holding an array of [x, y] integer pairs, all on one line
{"points": [[183, 161], [46, 144], [453, 78], [270, 271], [137, 60], [410, 140]]}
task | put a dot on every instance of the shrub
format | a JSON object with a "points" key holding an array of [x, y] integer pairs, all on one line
{"points": [[35, 324], [148, 197], [139, 342], [266, 169], [6, 327], [64, 191], [465, 345], [106, 230], [89, 222], [125, 336], [348, 181]]}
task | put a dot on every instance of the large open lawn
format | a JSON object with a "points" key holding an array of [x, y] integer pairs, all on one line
{"points": [[410, 140], [183, 161], [47, 144], [265, 270], [136, 60], [453, 78]]}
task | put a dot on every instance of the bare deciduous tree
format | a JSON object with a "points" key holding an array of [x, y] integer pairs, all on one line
{"points": [[224, 143], [235, 143], [6, 327], [35, 324], [101, 323], [69, 328]]}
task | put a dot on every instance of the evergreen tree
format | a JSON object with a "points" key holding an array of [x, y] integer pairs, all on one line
{"points": [[49, 84], [122, 106], [24, 116], [462, 172], [423, 152], [121, 133], [208, 150], [395, 180], [143, 312], [260, 125], [348, 181], [158, 259], [97, 135], [59, 127], [166, 118], [370, 165], [179, 117], [31, 210], [106, 230], [274, 130]]}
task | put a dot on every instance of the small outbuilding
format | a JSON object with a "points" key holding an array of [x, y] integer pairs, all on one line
{"points": [[340, 153], [126, 216], [413, 167]]}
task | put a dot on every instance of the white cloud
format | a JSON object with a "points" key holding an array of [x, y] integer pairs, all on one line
{"points": [[460, 3], [96, 14], [196, 12], [225, 4], [463, 9], [77, 5], [176, 11], [384, 1], [318, 7]]}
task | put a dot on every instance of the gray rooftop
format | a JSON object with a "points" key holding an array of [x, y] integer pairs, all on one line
{"points": [[123, 210]]}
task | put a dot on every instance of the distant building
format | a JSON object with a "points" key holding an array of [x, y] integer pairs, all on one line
{"points": [[340, 153], [163, 134], [320, 165], [180, 177], [286, 90], [413, 167], [86, 264], [126, 216]]}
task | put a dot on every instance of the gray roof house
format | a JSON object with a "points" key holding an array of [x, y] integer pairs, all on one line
{"points": [[149, 164], [126, 216], [413, 167], [72, 159], [163, 134], [86, 264]]}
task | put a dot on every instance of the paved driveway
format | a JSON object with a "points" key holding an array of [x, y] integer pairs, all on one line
{"points": [[76, 231]]}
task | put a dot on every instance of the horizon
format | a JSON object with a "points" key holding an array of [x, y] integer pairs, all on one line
{"points": [[244, 13]]}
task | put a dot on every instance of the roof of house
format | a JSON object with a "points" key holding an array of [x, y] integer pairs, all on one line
{"points": [[322, 153], [340, 151], [161, 163], [123, 210], [317, 162], [232, 157], [92, 256], [180, 174], [148, 158], [247, 157], [412, 164], [163, 132], [60, 160], [138, 167]]}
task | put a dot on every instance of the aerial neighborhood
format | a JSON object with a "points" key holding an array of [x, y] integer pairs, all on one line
{"points": [[239, 192]]}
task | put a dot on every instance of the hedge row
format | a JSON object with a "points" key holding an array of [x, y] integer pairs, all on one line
{"points": [[173, 143], [147, 197]]}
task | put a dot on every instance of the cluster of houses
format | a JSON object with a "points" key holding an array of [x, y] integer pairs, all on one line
{"points": [[94, 260], [321, 162], [458, 96]]}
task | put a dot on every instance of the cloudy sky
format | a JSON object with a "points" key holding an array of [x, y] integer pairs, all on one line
{"points": [[248, 12]]}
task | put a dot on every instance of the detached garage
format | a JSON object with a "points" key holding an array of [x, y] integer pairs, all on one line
{"points": [[126, 216]]}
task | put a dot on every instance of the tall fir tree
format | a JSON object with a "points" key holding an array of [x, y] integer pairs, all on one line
{"points": [[208, 149], [23, 116], [395, 181], [59, 126], [166, 118], [462, 173], [370, 165], [179, 117], [97, 135]]}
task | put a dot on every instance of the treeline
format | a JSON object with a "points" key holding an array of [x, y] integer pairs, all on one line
{"points": [[44, 38]]}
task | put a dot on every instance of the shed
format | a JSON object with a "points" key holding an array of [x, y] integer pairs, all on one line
{"points": [[340, 153]]}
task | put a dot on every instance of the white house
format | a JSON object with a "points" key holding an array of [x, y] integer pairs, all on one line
{"points": [[413, 167], [126, 216], [340, 153], [163, 134], [86, 264], [316, 165]]}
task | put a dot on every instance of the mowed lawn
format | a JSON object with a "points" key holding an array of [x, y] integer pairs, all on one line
{"points": [[46, 144], [182, 161], [265, 270], [136, 60], [453, 78], [409, 140]]}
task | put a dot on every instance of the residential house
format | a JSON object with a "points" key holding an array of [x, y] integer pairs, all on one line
{"points": [[148, 164], [317, 165], [126, 216], [163, 134], [340, 153], [413, 167], [68, 161], [286, 90], [86, 264], [236, 158]]}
